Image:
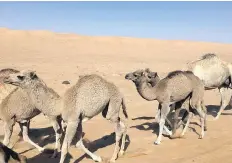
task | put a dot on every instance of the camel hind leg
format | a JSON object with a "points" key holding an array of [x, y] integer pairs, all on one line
{"points": [[120, 133], [190, 115], [120, 126], [81, 145], [74, 126], [178, 107], [70, 132], [196, 102], [205, 111], [124, 129], [124, 126], [225, 99]]}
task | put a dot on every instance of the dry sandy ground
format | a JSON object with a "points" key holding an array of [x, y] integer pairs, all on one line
{"points": [[58, 57]]}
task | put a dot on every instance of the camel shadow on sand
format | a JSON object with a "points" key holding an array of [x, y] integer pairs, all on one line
{"points": [[143, 118], [44, 136], [213, 110], [101, 143], [92, 146], [41, 136], [154, 126]]}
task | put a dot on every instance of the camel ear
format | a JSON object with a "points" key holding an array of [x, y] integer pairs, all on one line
{"points": [[33, 75], [147, 70], [152, 74]]}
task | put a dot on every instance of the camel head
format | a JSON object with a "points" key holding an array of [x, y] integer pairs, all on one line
{"points": [[22, 78], [152, 77], [135, 76], [140, 76]]}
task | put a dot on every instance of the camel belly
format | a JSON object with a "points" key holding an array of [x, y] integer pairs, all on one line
{"points": [[28, 114], [178, 97], [92, 111]]}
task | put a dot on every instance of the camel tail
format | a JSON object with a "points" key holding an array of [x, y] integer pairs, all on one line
{"points": [[124, 108], [230, 79]]}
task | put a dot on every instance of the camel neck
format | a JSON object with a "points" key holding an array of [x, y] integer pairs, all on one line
{"points": [[45, 99], [146, 91]]}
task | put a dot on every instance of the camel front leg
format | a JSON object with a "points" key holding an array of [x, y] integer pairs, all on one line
{"points": [[165, 109], [8, 127], [57, 128], [157, 117], [26, 138]]}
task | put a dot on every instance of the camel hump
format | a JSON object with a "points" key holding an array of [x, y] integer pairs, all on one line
{"points": [[174, 73], [209, 56]]}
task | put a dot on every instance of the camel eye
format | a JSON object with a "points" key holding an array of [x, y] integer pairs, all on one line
{"points": [[20, 77]]}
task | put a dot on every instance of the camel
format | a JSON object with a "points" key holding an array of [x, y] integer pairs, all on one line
{"points": [[215, 73], [11, 99], [90, 96], [9, 155], [175, 87], [16, 106], [153, 78]]}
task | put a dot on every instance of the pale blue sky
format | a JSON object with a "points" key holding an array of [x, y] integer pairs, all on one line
{"points": [[197, 21]]}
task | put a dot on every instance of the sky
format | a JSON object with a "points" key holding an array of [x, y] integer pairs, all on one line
{"points": [[193, 21]]}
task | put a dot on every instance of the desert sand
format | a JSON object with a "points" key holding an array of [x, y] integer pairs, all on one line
{"points": [[57, 57]]}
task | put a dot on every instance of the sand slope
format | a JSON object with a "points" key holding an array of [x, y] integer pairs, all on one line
{"points": [[57, 57]]}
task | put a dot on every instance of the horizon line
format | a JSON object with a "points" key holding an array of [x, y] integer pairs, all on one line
{"points": [[115, 36]]}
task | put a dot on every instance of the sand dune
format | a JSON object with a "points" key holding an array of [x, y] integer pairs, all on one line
{"points": [[57, 57]]}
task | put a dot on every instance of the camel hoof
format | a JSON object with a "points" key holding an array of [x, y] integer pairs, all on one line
{"points": [[41, 150], [121, 153], [201, 136], [157, 142], [97, 159], [216, 118]]}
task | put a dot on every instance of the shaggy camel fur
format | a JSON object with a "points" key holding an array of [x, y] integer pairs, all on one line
{"points": [[177, 86], [15, 106], [90, 96], [215, 73], [153, 78], [19, 107]]}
